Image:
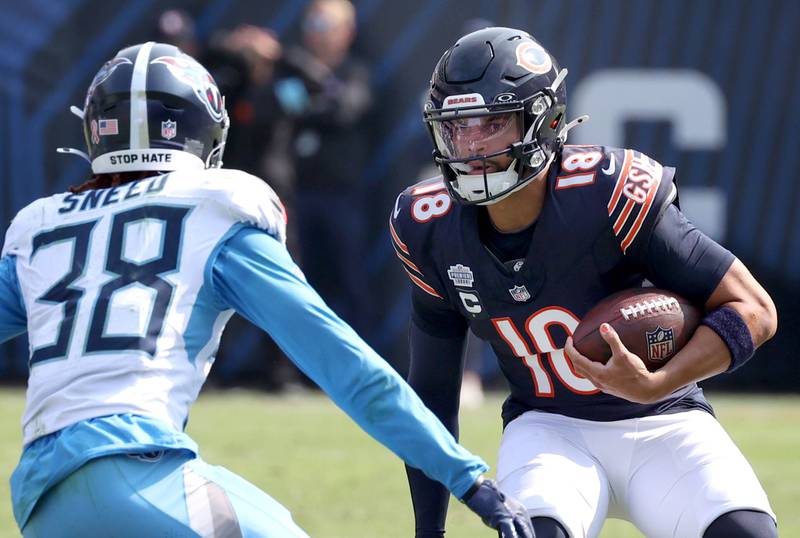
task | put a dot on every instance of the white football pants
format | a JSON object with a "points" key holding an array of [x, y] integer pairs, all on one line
{"points": [[670, 475]]}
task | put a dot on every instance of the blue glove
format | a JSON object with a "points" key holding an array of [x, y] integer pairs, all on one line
{"points": [[504, 514]]}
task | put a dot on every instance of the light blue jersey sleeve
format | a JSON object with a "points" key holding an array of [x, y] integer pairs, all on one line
{"points": [[255, 275], [12, 309]]}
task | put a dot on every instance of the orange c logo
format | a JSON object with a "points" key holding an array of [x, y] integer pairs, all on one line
{"points": [[531, 56]]}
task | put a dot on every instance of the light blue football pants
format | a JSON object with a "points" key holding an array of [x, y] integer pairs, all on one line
{"points": [[167, 494]]}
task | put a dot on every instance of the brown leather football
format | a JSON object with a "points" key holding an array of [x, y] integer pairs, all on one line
{"points": [[652, 323]]}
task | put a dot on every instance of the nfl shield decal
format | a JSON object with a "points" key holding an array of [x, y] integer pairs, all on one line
{"points": [[461, 275], [660, 344], [169, 129], [520, 293]]}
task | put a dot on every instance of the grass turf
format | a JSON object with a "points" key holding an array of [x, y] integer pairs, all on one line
{"points": [[338, 483]]}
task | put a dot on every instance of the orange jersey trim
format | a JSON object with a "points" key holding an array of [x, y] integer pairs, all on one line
{"points": [[642, 214], [422, 285], [623, 216], [408, 262], [623, 176], [396, 238]]}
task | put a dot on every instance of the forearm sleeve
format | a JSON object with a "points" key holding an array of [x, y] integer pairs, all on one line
{"points": [[435, 374], [254, 274]]}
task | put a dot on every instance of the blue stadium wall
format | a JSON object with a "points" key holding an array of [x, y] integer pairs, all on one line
{"points": [[739, 56]]}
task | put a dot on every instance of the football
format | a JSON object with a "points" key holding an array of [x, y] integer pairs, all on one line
{"points": [[652, 323]]}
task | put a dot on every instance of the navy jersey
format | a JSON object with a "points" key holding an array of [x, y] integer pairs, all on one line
{"points": [[608, 223]]}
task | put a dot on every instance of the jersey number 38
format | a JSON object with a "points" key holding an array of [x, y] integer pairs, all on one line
{"points": [[125, 272]]}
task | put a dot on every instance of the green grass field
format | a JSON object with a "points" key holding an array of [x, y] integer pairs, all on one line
{"points": [[338, 483]]}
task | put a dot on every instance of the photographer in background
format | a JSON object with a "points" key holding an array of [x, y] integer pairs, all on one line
{"points": [[326, 91]]}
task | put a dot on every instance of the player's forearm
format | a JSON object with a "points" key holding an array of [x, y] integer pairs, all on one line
{"points": [[429, 499], [740, 291], [704, 356], [435, 374], [279, 301], [707, 353], [384, 405]]}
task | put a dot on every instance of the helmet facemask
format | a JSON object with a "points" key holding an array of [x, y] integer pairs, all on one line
{"points": [[461, 134], [495, 71]]}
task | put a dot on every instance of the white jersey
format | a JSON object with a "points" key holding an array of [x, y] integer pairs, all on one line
{"points": [[113, 283]]}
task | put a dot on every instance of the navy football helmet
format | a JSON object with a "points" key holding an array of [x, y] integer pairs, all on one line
{"points": [[490, 83], [152, 107]]}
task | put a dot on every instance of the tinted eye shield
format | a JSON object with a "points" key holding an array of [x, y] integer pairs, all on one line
{"points": [[476, 136], [520, 149]]}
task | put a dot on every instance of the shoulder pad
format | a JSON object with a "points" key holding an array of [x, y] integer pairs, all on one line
{"points": [[244, 197], [634, 188], [423, 202], [21, 228], [410, 224]]}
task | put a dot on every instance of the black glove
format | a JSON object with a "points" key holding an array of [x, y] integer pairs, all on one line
{"points": [[504, 514]]}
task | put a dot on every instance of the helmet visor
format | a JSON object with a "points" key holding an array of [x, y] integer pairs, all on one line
{"points": [[465, 138]]}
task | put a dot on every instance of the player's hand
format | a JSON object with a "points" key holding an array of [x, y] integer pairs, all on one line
{"points": [[624, 375], [500, 512]]}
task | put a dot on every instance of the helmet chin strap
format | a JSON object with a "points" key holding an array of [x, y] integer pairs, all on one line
{"points": [[77, 111], [72, 151]]}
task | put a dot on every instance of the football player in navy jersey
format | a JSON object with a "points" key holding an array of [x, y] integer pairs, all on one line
{"points": [[517, 239], [124, 286]]}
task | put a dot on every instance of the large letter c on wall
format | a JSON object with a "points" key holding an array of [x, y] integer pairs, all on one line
{"points": [[690, 100]]}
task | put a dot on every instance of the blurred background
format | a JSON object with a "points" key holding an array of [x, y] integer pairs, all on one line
{"points": [[325, 100]]}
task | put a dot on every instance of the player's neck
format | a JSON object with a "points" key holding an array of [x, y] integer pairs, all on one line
{"points": [[521, 209]]}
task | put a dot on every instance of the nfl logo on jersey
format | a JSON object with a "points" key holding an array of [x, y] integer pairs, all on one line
{"points": [[660, 344], [520, 293]]}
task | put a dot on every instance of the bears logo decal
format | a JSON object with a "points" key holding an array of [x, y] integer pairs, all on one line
{"points": [[532, 57]]}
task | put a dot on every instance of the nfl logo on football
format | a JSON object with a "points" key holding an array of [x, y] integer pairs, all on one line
{"points": [[660, 344], [169, 129]]}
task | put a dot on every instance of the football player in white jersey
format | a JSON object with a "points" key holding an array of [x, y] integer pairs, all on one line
{"points": [[124, 285]]}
